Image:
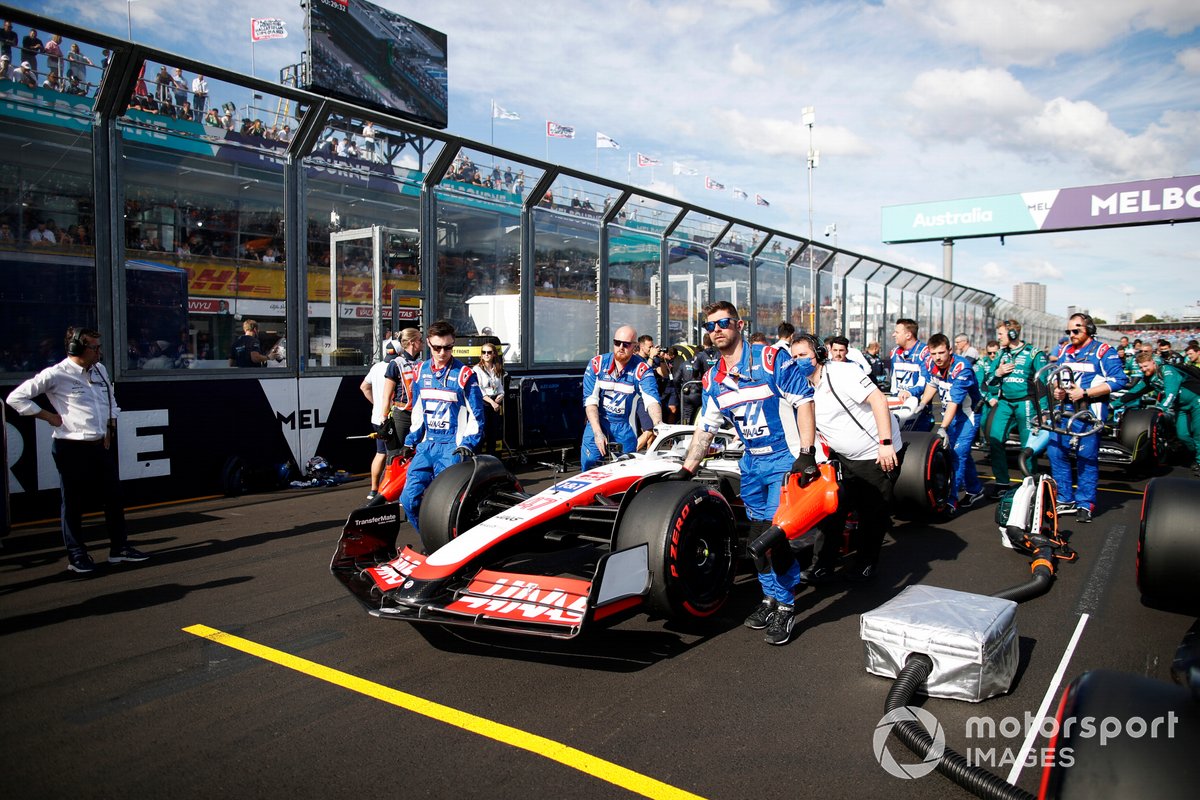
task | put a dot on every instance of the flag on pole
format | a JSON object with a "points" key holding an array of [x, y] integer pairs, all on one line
{"points": [[682, 169], [261, 29], [606, 141], [760, 200], [500, 113], [709, 183], [556, 131], [647, 161], [738, 194]]}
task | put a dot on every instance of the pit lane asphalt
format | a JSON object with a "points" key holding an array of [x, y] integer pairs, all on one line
{"points": [[105, 695]]}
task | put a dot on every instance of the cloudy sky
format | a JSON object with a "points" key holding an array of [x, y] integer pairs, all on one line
{"points": [[916, 100]]}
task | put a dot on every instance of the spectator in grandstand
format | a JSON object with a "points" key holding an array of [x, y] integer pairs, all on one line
{"points": [[1094, 372], [612, 382], [6, 234], [8, 40], [81, 236], [199, 97], [212, 119], [84, 421], [247, 350], [368, 134], [962, 346], [162, 86], [52, 82], [25, 74], [448, 418], [227, 120], [54, 55], [42, 236], [490, 371], [1179, 400], [6, 73], [31, 48], [73, 86]]}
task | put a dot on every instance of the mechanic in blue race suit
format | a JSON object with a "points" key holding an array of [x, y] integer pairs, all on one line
{"points": [[612, 383], [1095, 372], [952, 377], [767, 397], [910, 361], [447, 418]]}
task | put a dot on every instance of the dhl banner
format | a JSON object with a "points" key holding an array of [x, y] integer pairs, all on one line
{"points": [[263, 282]]}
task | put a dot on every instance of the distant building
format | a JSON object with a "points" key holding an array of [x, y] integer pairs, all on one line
{"points": [[1073, 310], [1030, 295], [1125, 318]]}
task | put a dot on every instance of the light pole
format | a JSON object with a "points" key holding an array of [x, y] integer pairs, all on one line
{"points": [[808, 116], [129, 18]]}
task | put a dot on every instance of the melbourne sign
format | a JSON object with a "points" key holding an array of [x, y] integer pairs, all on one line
{"points": [[1151, 202]]}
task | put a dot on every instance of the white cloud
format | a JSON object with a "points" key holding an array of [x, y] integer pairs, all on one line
{"points": [[993, 272], [1044, 270], [743, 64], [1190, 60], [1035, 32], [784, 137]]}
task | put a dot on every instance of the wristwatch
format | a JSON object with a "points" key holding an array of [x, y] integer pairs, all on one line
{"points": [[885, 441]]}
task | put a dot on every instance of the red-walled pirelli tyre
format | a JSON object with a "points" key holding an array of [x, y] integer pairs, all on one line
{"points": [[1149, 756], [456, 499], [924, 483], [1168, 557], [1141, 433], [690, 532]]}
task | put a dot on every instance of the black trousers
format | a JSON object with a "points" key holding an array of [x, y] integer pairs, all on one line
{"points": [[869, 491], [88, 472]]}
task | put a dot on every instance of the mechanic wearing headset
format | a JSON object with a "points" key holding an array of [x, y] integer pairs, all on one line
{"points": [[850, 413], [763, 393], [612, 383], [908, 374], [1095, 372], [1011, 395], [447, 418], [952, 377], [1180, 400], [84, 419]]}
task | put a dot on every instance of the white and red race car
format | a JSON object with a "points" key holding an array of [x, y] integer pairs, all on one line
{"points": [[608, 542]]}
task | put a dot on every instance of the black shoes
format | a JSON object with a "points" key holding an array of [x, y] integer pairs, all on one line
{"points": [[816, 576], [1084, 514], [126, 553], [860, 573], [779, 629], [81, 562], [761, 617]]}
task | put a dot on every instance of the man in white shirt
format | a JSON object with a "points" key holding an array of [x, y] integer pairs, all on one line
{"points": [[85, 428], [199, 97], [378, 394], [851, 412]]}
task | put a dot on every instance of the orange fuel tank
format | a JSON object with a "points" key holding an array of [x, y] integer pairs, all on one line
{"points": [[802, 507]]}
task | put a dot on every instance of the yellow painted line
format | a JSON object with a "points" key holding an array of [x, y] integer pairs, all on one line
{"points": [[505, 734]]}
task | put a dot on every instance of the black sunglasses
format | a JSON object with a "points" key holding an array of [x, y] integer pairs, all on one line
{"points": [[438, 348], [1069, 331], [620, 343], [724, 324]]}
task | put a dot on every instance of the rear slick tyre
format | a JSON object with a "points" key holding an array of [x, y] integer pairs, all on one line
{"points": [[1141, 434], [689, 530], [1168, 557], [923, 487], [454, 501]]}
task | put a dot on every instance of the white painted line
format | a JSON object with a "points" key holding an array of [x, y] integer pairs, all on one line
{"points": [[1051, 693]]}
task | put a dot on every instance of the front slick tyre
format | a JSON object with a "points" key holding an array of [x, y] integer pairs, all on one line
{"points": [[455, 501], [689, 530]]}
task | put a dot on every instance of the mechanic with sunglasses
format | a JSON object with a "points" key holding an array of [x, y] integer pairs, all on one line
{"points": [[768, 402], [1096, 372], [447, 418], [612, 383]]}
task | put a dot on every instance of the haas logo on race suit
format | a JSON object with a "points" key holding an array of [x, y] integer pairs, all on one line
{"points": [[751, 422], [437, 417]]}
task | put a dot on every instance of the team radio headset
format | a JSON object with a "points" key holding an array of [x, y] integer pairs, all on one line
{"points": [[821, 353], [76, 347]]}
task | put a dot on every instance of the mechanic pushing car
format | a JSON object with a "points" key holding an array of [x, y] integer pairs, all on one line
{"points": [[611, 385], [447, 418], [1096, 372], [1011, 394], [756, 389], [908, 360], [1180, 400], [952, 377]]}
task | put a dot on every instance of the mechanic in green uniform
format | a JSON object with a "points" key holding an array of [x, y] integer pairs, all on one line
{"points": [[1011, 396], [1180, 400], [984, 368]]}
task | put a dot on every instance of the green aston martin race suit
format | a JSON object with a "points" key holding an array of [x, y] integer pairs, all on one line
{"points": [[1180, 400], [1014, 396]]}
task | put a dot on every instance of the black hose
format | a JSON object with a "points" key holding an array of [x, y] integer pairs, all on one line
{"points": [[1036, 586], [976, 780]]}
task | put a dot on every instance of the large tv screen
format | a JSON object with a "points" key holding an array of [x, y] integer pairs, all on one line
{"points": [[368, 55]]}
